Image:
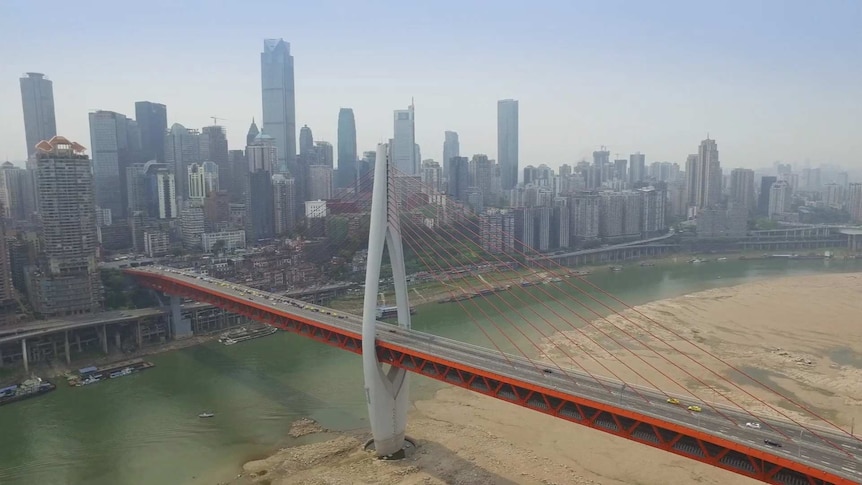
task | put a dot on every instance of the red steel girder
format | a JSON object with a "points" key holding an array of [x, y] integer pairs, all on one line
{"points": [[648, 430]]}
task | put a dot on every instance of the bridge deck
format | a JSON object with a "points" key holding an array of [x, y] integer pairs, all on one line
{"points": [[598, 403]]}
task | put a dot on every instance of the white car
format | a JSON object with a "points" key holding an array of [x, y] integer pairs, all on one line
{"points": [[752, 425]]}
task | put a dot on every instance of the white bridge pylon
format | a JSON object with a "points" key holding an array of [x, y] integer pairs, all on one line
{"points": [[386, 391]]}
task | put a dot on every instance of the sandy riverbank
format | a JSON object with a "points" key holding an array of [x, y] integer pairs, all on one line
{"points": [[467, 438], [434, 291]]}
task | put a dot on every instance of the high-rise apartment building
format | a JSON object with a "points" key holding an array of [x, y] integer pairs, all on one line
{"points": [[65, 279], [347, 156], [507, 142], [497, 231], [654, 204], [742, 188], [763, 196], [431, 176], [279, 100], [319, 182], [451, 149], [37, 99], [612, 210], [152, 121], [780, 198], [854, 202], [584, 216], [403, 145], [8, 305], [284, 197], [192, 227]]}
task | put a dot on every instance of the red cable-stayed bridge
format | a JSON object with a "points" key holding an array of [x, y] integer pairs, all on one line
{"points": [[775, 450], [575, 397]]}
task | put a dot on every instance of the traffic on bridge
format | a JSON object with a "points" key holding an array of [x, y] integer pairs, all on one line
{"points": [[767, 449]]}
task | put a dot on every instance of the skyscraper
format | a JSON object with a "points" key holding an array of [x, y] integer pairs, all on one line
{"points": [[182, 148], [451, 149], [459, 179], [279, 101], [253, 131], [197, 184], [112, 155], [306, 141], [65, 280], [403, 146], [152, 120], [260, 203], [346, 176], [307, 157], [601, 168], [37, 98], [507, 142], [214, 149], [637, 168]]}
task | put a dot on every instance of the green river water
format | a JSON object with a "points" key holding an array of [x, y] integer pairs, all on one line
{"points": [[144, 429]]}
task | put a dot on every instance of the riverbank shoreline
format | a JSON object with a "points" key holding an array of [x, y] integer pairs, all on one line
{"points": [[766, 327], [54, 370], [435, 291]]}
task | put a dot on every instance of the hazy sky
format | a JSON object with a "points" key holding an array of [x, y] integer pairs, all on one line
{"points": [[769, 80]]}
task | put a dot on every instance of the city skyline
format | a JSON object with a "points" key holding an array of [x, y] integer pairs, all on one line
{"points": [[768, 110]]}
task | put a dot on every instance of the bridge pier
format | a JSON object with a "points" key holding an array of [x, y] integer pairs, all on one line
{"points": [[66, 347], [386, 390], [24, 355]]}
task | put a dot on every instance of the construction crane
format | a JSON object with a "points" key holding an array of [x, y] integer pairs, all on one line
{"points": [[215, 119]]}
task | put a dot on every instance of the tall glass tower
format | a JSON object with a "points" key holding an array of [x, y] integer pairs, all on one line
{"points": [[346, 148], [37, 98], [279, 101], [507, 142]]}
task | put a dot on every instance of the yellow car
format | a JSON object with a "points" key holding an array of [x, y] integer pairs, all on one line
{"points": [[672, 400], [694, 408]]}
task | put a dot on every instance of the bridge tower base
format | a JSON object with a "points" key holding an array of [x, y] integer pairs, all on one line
{"points": [[386, 390]]}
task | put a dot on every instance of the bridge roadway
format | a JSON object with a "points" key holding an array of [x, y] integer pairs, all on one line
{"points": [[834, 452]]}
